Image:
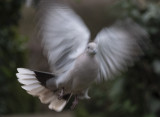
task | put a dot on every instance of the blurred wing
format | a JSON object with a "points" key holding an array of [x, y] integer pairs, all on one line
{"points": [[118, 46], [64, 35]]}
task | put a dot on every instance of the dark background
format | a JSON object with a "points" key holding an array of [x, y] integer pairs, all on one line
{"points": [[135, 93]]}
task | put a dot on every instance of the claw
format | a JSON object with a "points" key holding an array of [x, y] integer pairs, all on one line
{"points": [[75, 102], [61, 94]]}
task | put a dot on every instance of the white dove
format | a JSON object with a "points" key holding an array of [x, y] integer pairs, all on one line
{"points": [[75, 62]]}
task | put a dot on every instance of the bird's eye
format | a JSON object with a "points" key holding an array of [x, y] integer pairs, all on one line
{"points": [[88, 47]]}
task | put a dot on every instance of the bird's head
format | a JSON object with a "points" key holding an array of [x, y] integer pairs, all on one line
{"points": [[91, 48]]}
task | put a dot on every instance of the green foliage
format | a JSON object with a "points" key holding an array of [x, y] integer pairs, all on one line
{"points": [[135, 93], [12, 55]]}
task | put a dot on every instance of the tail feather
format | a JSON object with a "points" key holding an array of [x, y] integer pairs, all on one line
{"points": [[36, 91], [60, 104], [34, 83], [25, 76], [25, 71], [27, 82], [31, 86], [43, 76]]}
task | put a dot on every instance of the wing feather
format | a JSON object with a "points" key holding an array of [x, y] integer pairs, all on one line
{"points": [[118, 46], [64, 35]]}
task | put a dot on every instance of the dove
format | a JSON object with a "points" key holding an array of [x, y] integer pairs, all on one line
{"points": [[76, 62]]}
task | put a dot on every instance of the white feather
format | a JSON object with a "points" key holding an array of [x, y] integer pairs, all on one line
{"points": [[25, 76], [49, 99], [37, 91], [31, 87], [28, 82], [25, 71], [65, 36], [57, 105], [44, 92], [46, 98], [118, 47]]}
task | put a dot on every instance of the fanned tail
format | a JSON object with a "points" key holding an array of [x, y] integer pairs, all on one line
{"points": [[34, 83]]}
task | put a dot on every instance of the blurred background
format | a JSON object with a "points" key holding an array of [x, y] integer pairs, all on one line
{"points": [[135, 93]]}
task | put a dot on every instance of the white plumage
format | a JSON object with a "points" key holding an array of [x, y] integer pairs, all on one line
{"points": [[76, 63], [33, 87]]}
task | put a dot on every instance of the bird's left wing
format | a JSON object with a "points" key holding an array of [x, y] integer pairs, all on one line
{"points": [[64, 35], [118, 46]]}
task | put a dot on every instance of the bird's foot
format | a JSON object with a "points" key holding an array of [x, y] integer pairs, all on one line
{"points": [[75, 102], [61, 94]]}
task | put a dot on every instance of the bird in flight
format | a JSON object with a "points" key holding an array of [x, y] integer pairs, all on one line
{"points": [[75, 61]]}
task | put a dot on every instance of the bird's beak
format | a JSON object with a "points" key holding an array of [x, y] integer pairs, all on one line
{"points": [[94, 51]]}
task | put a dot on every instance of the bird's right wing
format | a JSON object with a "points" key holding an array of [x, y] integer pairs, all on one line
{"points": [[118, 46], [64, 35]]}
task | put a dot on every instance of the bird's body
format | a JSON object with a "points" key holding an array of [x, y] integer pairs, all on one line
{"points": [[85, 69], [75, 63]]}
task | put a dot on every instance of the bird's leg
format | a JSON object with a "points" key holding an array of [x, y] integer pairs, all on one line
{"points": [[75, 102], [61, 94]]}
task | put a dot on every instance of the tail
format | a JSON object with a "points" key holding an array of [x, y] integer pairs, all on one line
{"points": [[34, 83]]}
